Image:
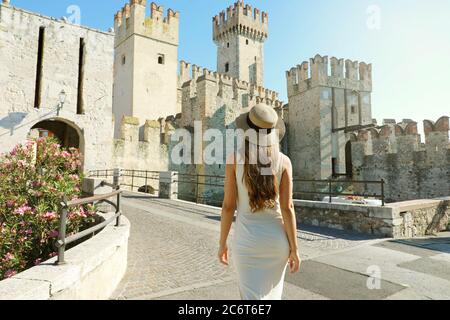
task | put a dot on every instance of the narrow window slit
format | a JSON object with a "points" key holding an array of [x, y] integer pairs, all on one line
{"points": [[39, 67], [80, 102]]}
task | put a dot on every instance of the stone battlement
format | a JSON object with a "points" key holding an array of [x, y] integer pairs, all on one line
{"points": [[241, 19], [153, 129], [403, 138], [143, 150], [334, 72], [411, 169], [132, 19], [192, 75]]}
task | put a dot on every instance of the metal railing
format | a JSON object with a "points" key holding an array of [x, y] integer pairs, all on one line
{"points": [[135, 180], [332, 192], [64, 241], [193, 187], [101, 173], [194, 184]]}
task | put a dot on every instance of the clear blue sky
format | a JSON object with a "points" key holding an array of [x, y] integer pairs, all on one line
{"points": [[407, 41]]}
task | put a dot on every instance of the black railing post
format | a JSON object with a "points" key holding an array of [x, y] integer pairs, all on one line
{"points": [[383, 199], [146, 180], [132, 180], [197, 189], [330, 190], [61, 243], [118, 208]]}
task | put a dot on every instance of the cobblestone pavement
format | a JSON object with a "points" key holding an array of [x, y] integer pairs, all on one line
{"points": [[173, 246]]}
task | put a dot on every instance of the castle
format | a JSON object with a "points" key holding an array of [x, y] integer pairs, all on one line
{"points": [[126, 92]]}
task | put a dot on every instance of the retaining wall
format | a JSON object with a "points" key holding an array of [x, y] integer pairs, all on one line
{"points": [[407, 219], [93, 270]]}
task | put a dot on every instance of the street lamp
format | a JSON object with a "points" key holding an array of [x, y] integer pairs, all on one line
{"points": [[62, 100]]}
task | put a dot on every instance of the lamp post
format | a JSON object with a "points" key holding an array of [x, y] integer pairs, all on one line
{"points": [[62, 100]]}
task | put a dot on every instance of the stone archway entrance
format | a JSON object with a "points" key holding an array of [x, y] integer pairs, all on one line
{"points": [[67, 135]]}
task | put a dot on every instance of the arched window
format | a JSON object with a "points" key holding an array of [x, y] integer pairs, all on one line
{"points": [[160, 59]]}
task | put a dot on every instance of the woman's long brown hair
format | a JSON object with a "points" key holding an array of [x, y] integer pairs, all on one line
{"points": [[263, 187]]}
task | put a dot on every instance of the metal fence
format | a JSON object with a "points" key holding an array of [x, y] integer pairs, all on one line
{"points": [[208, 189], [203, 189], [320, 189], [62, 241], [133, 180]]}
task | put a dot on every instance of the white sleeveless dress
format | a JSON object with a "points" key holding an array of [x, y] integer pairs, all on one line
{"points": [[260, 249]]}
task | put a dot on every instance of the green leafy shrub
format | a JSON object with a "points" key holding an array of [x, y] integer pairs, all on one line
{"points": [[34, 178]]}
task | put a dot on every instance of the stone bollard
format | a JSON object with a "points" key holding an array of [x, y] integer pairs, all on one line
{"points": [[116, 176], [93, 187], [168, 185]]}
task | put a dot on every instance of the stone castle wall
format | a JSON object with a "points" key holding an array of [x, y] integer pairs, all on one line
{"points": [[412, 170], [151, 153], [19, 40], [205, 92]]}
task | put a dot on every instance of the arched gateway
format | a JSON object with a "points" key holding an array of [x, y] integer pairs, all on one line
{"points": [[66, 132]]}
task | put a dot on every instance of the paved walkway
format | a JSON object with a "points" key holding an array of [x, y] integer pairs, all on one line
{"points": [[173, 246]]}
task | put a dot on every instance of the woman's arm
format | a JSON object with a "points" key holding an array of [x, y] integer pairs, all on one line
{"points": [[288, 211], [228, 210]]}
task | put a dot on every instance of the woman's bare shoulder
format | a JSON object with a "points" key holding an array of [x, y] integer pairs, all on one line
{"points": [[287, 164]]}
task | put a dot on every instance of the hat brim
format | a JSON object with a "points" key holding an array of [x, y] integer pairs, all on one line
{"points": [[266, 140]]}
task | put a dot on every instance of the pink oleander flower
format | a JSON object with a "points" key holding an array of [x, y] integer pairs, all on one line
{"points": [[10, 273], [36, 184], [37, 262], [53, 254], [65, 154], [24, 224], [22, 163], [74, 177], [10, 203], [23, 210], [50, 216], [8, 257], [37, 193], [71, 215], [53, 234]]}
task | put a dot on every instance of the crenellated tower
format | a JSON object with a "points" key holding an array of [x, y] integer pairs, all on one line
{"points": [[240, 33], [328, 100], [145, 63]]}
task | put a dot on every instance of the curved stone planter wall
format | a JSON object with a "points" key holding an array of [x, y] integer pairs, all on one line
{"points": [[93, 270]]}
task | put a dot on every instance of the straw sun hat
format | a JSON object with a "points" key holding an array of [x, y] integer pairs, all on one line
{"points": [[269, 127]]}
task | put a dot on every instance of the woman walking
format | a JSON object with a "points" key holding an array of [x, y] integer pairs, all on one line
{"points": [[259, 185]]}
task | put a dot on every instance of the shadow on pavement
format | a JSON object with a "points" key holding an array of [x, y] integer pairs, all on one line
{"points": [[440, 243], [334, 233]]}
